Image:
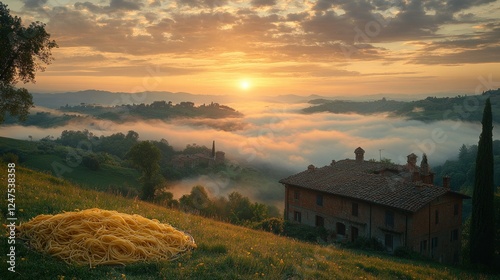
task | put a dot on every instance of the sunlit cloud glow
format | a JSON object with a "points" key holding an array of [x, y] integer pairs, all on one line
{"points": [[300, 47]]}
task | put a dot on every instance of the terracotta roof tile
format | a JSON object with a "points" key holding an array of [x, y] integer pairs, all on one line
{"points": [[379, 183]]}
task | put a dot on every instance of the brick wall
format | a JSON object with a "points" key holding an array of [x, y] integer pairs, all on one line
{"points": [[391, 227], [441, 239]]}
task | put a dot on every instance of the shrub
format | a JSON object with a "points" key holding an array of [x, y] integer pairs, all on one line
{"points": [[404, 252], [91, 162], [46, 147], [11, 158], [367, 244], [166, 199], [274, 225], [305, 232]]}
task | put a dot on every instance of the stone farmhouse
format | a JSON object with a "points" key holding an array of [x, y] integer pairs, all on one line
{"points": [[396, 204]]}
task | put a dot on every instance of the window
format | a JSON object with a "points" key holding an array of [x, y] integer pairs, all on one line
{"points": [[320, 221], [354, 209], [389, 219], [423, 246], [434, 242], [455, 209], [389, 241], [454, 235], [319, 200], [434, 245], [354, 233], [297, 216], [436, 215], [296, 195], [340, 228]]}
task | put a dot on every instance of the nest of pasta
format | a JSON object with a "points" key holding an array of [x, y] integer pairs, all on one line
{"points": [[96, 237]]}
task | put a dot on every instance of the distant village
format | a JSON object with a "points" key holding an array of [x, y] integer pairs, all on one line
{"points": [[203, 159]]}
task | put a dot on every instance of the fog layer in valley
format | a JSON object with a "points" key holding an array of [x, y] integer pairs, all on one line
{"points": [[278, 134], [278, 140]]}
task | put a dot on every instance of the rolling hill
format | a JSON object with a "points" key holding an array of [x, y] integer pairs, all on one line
{"points": [[430, 109], [54, 161], [224, 251]]}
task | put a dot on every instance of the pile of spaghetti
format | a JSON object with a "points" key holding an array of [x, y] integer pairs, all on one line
{"points": [[96, 236]]}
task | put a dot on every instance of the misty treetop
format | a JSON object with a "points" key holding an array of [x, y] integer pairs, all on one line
{"points": [[117, 144], [156, 110], [236, 208], [113, 149], [462, 168]]}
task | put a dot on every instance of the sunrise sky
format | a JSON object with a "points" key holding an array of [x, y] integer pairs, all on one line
{"points": [[269, 47]]}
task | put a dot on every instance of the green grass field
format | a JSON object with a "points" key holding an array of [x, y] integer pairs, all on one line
{"points": [[100, 180], [224, 251], [55, 164]]}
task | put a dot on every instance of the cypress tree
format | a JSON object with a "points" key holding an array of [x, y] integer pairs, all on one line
{"points": [[482, 230]]}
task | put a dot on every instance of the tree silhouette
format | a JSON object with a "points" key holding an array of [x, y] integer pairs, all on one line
{"points": [[197, 200], [146, 156], [482, 230], [23, 51]]}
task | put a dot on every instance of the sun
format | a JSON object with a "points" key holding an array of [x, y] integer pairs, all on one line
{"points": [[245, 84]]}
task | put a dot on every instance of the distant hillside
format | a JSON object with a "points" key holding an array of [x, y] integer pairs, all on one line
{"points": [[157, 110], [463, 108], [100, 97], [224, 251], [107, 98]]}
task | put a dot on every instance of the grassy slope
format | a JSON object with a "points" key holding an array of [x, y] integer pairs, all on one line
{"points": [[101, 179], [225, 251]]}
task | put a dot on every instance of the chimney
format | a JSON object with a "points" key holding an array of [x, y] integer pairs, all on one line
{"points": [[360, 154], [446, 182], [310, 168], [412, 162]]}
